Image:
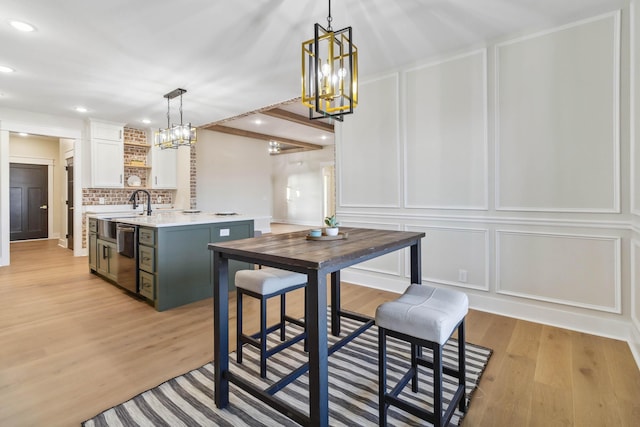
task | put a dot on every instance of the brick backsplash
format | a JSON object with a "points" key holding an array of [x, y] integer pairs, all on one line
{"points": [[120, 196]]}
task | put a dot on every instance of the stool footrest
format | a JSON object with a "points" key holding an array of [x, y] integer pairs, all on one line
{"points": [[295, 321], [402, 383], [410, 408], [269, 330], [286, 344], [445, 369]]}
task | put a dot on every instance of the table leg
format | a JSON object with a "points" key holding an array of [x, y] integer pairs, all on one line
{"points": [[318, 348], [416, 263], [221, 329], [335, 303]]}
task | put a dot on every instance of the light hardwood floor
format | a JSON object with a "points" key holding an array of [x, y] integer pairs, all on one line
{"points": [[72, 345]]}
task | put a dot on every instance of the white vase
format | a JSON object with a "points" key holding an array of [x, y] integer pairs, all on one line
{"points": [[331, 231]]}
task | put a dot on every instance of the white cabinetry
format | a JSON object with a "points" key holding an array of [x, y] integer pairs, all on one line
{"points": [[105, 154], [164, 168]]}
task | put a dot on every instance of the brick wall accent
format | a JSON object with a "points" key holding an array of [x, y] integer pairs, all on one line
{"points": [[120, 196]]}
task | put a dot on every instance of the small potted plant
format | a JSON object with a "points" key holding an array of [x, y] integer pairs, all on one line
{"points": [[332, 224]]}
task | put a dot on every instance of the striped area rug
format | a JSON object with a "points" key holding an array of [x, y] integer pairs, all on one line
{"points": [[187, 400]]}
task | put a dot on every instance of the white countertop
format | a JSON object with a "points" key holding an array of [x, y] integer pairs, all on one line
{"points": [[172, 219]]}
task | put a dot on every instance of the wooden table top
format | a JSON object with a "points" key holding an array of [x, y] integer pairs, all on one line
{"points": [[294, 250]]}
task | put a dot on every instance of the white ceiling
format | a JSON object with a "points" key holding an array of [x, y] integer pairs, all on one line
{"points": [[119, 57]]}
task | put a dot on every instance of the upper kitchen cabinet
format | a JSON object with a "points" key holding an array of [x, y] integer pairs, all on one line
{"points": [[164, 165], [105, 154]]}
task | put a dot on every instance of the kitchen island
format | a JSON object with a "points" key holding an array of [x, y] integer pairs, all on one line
{"points": [[173, 264]]}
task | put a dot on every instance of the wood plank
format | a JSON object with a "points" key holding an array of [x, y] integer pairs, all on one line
{"points": [[264, 137], [553, 367], [593, 389], [296, 118]]}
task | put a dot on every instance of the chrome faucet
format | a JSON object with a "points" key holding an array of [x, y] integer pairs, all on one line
{"points": [[134, 199]]}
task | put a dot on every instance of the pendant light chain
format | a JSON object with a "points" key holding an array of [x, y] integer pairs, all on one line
{"points": [[329, 18]]}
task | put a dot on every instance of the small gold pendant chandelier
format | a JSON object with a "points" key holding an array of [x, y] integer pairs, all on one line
{"points": [[330, 72]]}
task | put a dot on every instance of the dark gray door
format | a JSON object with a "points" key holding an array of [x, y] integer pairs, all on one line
{"points": [[70, 206], [28, 201]]}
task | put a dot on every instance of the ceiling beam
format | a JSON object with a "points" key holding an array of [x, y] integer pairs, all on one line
{"points": [[264, 137], [296, 118]]}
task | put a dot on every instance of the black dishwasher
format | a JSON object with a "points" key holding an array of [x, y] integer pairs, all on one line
{"points": [[127, 248]]}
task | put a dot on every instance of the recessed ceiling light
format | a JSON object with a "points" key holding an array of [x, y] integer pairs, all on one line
{"points": [[81, 109], [257, 121], [146, 121], [323, 137], [5, 69], [22, 26]]}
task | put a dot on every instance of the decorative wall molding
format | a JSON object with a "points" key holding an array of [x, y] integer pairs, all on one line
{"points": [[341, 143], [634, 60], [575, 319], [371, 264], [592, 205], [495, 220], [616, 268], [452, 139], [442, 281]]}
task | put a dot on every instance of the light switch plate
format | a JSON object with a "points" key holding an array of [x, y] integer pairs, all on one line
{"points": [[224, 232]]}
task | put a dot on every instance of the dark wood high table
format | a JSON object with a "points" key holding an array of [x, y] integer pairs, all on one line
{"points": [[316, 259]]}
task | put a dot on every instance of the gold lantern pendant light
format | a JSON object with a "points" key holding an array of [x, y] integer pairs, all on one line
{"points": [[175, 136], [330, 72]]}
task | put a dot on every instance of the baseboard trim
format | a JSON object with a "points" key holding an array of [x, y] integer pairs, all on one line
{"points": [[634, 344]]}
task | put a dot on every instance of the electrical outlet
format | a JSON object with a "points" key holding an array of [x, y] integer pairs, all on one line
{"points": [[462, 276], [159, 200], [101, 201]]}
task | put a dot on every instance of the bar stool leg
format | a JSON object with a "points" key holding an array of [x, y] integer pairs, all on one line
{"points": [[306, 348], [239, 326], [437, 385], [282, 315], [382, 377], [462, 370], [415, 352], [263, 337]]}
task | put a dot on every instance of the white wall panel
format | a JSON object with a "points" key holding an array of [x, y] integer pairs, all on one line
{"points": [[577, 270], [368, 148], [448, 250], [557, 119], [446, 134], [390, 263], [635, 107], [232, 174]]}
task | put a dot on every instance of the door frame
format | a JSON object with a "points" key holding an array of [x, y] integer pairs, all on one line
{"points": [[40, 124], [49, 164]]}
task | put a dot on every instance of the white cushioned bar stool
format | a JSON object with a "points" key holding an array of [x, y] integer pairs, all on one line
{"points": [[423, 316], [263, 284]]}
